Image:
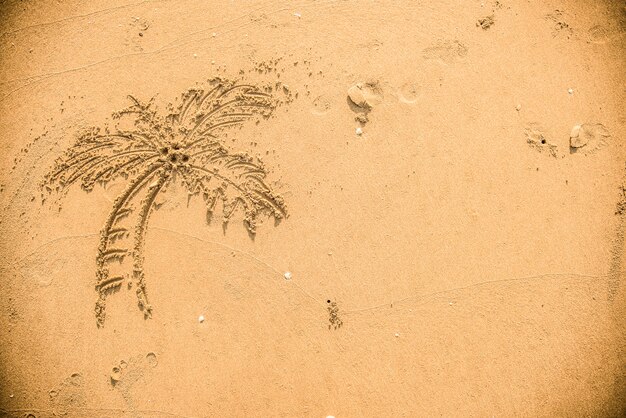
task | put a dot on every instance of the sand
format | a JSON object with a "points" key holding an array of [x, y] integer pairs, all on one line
{"points": [[312, 208]]}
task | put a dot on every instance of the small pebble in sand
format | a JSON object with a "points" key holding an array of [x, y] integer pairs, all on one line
{"points": [[570, 91], [518, 107], [359, 131], [201, 318], [214, 34], [288, 275], [297, 14], [397, 335], [195, 55]]}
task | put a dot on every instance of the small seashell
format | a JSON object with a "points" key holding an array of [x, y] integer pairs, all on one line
{"points": [[359, 131], [575, 131], [397, 335], [570, 91], [518, 107], [201, 318], [288, 275]]}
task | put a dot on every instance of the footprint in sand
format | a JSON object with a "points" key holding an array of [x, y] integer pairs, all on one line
{"points": [[40, 269], [588, 138], [126, 374], [68, 395], [151, 359], [362, 97], [321, 105], [561, 27], [537, 140], [445, 51], [599, 34], [409, 92]]}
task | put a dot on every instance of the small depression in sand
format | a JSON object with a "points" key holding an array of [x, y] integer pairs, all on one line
{"points": [[588, 138], [409, 92]]}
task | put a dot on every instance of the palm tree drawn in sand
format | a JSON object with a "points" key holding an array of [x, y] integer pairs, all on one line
{"points": [[155, 150]]}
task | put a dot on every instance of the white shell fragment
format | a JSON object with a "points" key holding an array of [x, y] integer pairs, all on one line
{"points": [[201, 318], [288, 275], [570, 91], [518, 107], [359, 131]]}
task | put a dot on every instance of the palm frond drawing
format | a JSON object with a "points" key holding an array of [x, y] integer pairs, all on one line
{"points": [[183, 144]]}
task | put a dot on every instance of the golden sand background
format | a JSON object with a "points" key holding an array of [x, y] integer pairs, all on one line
{"points": [[477, 271]]}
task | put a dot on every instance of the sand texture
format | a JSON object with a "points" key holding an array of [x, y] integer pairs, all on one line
{"points": [[312, 208]]}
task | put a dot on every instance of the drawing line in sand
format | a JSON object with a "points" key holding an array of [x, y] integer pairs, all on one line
{"points": [[423, 298], [155, 150]]}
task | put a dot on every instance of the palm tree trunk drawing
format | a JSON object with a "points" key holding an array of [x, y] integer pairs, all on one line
{"points": [[185, 142]]}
